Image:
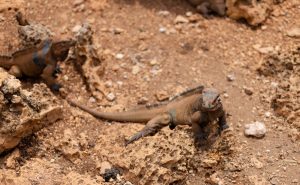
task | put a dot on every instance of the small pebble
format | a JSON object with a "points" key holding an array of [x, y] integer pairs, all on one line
{"points": [[111, 97], [119, 56], [135, 69], [180, 19], [162, 30], [230, 77]]}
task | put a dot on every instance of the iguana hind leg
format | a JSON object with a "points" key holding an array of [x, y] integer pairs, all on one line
{"points": [[15, 71], [152, 127]]}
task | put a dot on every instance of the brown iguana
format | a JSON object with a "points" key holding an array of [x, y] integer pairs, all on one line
{"points": [[206, 6], [38, 60], [196, 110]]}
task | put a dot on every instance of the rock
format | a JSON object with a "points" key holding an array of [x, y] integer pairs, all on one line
{"points": [[255, 12], [294, 32], [180, 19], [135, 69], [248, 90], [162, 30], [111, 97], [264, 50], [161, 95], [119, 56], [143, 100], [104, 166], [255, 180], [76, 28], [153, 62], [255, 162], [2, 18], [294, 134], [11, 161], [117, 31], [26, 113], [230, 77], [34, 34], [214, 180], [209, 163], [163, 13], [78, 2], [256, 129], [295, 181], [268, 114], [128, 183]]}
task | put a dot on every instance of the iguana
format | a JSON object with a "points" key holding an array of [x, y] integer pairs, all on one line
{"points": [[196, 110], [40, 60], [206, 6]]}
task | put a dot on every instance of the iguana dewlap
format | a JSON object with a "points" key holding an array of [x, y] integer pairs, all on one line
{"points": [[196, 110], [38, 60]]}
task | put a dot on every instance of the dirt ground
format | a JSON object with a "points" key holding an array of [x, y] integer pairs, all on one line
{"points": [[145, 55]]}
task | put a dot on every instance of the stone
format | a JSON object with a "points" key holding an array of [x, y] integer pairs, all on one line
{"points": [[111, 97], [255, 162], [76, 28], [135, 69], [162, 30], [103, 167], [11, 161], [27, 112], [78, 2], [161, 95], [180, 19], [294, 32], [256, 129], [214, 180], [230, 77], [248, 90], [264, 50], [119, 56], [163, 13]]}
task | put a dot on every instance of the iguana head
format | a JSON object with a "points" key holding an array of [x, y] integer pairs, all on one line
{"points": [[211, 99], [60, 49]]}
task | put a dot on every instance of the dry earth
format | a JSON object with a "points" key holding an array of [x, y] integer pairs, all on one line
{"points": [[147, 55]]}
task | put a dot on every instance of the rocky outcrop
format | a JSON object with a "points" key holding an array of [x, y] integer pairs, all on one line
{"points": [[24, 111]]}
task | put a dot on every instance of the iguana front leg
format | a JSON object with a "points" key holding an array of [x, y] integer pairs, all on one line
{"points": [[199, 122], [47, 75], [222, 123], [152, 127]]}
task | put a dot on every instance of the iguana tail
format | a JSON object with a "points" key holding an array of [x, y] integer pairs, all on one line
{"points": [[6, 61], [137, 116]]}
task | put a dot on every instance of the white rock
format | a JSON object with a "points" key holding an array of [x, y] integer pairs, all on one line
{"points": [[180, 19], [256, 129], [135, 69], [162, 30], [111, 97], [230, 77], [163, 13], [76, 28], [294, 32], [119, 56]]}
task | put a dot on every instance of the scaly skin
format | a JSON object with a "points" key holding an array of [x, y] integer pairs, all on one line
{"points": [[39, 60], [196, 110]]}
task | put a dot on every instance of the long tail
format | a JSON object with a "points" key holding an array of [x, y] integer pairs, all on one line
{"points": [[5, 61], [138, 116]]}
